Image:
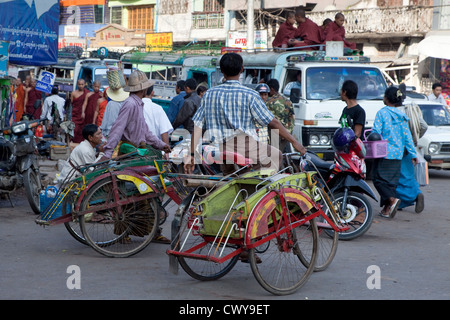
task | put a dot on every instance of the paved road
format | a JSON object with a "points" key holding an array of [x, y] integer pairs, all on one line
{"points": [[411, 252]]}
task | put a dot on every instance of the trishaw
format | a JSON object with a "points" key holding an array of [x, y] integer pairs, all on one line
{"points": [[115, 206], [265, 217]]}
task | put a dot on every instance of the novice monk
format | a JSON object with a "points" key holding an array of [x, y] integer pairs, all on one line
{"points": [[307, 30], [335, 31], [285, 32]]}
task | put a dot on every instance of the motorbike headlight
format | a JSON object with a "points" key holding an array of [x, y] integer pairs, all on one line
{"points": [[314, 139], [433, 148], [18, 128]]}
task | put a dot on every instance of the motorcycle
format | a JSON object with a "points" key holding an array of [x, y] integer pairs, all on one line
{"points": [[344, 180], [18, 162]]}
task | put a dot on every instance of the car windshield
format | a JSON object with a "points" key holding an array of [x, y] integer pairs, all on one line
{"points": [[326, 82], [435, 115]]}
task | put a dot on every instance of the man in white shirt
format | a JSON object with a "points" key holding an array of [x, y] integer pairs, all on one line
{"points": [[47, 108], [436, 96], [83, 154], [155, 117]]}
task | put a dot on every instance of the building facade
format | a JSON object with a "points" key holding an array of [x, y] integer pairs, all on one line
{"points": [[388, 31]]}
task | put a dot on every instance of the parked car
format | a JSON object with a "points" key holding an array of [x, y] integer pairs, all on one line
{"points": [[435, 144]]}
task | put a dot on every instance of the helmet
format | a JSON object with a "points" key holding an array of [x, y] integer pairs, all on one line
{"points": [[374, 136], [342, 138], [262, 88]]}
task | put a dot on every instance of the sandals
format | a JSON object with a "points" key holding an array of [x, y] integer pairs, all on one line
{"points": [[244, 257], [161, 239], [392, 210]]}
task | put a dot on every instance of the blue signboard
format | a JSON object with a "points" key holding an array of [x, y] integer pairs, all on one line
{"points": [[45, 82], [31, 27], [3, 58]]}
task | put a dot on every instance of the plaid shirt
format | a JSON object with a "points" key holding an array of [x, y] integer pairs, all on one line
{"points": [[229, 108]]}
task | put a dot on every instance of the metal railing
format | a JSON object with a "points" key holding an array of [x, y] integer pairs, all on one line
{"points": [[208, 20], [407, 19]]}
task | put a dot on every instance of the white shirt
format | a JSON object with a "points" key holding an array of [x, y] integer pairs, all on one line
{"points": [[156, 119], [83, 154], [47, 107], [440, 99]]}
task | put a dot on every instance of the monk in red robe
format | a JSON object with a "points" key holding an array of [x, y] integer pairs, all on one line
{"points": [[77, 98], [335, 31], [285, 32], [308, 32], [90, 103]]}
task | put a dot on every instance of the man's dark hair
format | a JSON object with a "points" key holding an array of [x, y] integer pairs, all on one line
{"points": [[350, 88], [55, 90], [191, 84], [89, 130], [149, 91], [181, 84], [435, 85], [274, 84], [231, 64]]}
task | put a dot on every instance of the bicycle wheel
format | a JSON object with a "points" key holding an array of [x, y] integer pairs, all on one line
{"points": [[121, 230], [358, 215], [326, 251], [187, 237], [73, 227], [281, 270]]}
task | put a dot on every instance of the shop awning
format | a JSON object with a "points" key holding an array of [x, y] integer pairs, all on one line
{"points": [[436, 45]]}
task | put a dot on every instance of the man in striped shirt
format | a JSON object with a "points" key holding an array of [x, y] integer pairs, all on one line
{"points": [[229, 112]]}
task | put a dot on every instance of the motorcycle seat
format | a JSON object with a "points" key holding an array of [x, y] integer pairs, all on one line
{"points": [[320, 163]]}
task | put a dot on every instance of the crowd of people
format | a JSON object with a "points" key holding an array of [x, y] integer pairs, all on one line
{"points": [[308, 34], [256, 123]]}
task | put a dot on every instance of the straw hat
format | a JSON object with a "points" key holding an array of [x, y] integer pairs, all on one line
{"points": [[116, 82], [118, 95], [138, 81]]}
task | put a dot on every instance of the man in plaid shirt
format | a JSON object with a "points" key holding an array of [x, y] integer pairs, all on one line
{"points": [[228, 112]]}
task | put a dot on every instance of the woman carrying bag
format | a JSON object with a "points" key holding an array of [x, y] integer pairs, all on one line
{"points": [[392, 124]]}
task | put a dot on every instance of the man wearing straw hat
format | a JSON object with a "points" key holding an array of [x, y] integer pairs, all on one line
{"points": [[130, 126]]}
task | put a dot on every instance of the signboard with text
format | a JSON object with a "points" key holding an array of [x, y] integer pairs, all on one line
{"points": [[161, 41], [31, 27], [238, 39]]}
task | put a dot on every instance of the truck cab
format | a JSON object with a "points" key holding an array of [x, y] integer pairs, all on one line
{"points": [[91, 70], [316, 95]]}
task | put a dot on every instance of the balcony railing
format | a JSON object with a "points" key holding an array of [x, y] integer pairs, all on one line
{"points": [[406, 20], [207, 20]]}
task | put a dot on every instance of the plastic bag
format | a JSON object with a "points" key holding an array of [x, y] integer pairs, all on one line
{"points": [[421, 170]]}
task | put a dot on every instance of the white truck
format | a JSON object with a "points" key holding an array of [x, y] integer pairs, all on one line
{"points": [[318, 105]]}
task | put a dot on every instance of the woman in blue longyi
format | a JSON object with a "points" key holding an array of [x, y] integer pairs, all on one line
{"points": [[392, 125]]}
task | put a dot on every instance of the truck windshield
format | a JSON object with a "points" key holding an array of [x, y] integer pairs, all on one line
{"points": [[326, 82], [100, 75]]}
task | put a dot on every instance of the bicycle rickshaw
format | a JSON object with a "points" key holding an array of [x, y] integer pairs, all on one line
{"points": [[116, 207], [267, 216]]}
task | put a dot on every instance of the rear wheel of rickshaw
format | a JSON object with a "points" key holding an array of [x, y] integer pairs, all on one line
{"points": [[188, 237], [73, 227], [279, 268], [121, 230]]}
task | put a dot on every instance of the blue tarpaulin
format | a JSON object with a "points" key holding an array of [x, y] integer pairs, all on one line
{"points": [[31, 27]]}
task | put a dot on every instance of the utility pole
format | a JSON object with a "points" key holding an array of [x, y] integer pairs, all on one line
{"points": [[250, 26]]}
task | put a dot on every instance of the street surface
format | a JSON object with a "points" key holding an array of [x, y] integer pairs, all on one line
{"points": [[410, 253]]}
